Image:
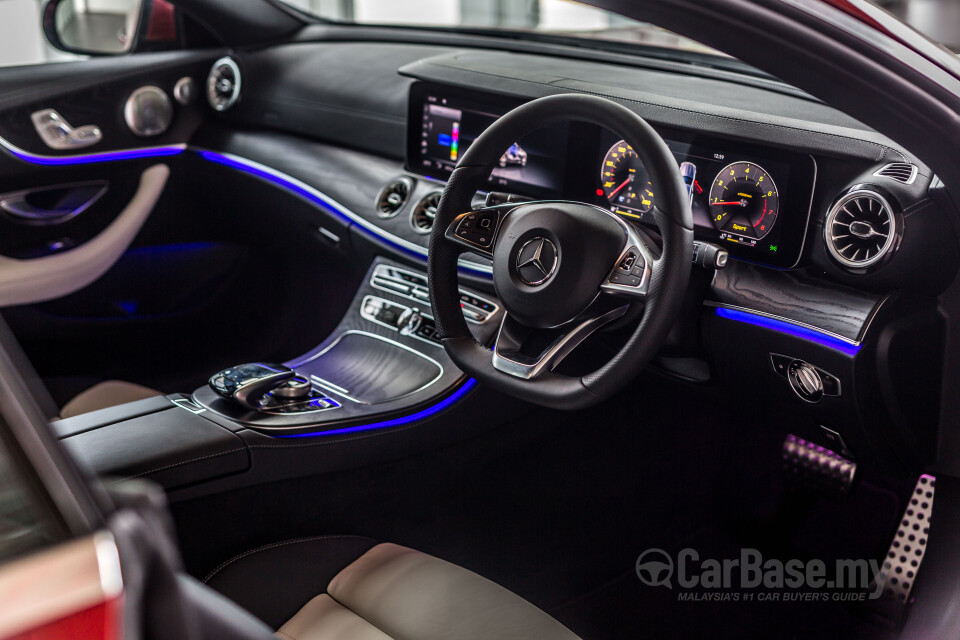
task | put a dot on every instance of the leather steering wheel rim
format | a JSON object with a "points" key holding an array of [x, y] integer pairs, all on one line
{"points": [[669, 277]]}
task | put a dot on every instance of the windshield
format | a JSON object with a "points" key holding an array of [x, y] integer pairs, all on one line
{"points": [[937, 19], [547, 17]]}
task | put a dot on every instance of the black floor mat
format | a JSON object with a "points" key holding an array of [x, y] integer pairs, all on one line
{"points": [[627, 608]]}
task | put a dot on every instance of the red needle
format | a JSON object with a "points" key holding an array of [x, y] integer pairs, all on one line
{"points": [[738, 203], [617, 190]]}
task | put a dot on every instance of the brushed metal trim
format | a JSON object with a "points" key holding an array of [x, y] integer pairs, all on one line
{"points": [[345, 393]]}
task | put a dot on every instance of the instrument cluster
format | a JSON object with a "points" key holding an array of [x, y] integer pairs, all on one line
{"points": [[753, 200], [739, 199]]}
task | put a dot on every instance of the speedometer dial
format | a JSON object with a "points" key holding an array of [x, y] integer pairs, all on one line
{"points": [[744, 201], [624, 180]]}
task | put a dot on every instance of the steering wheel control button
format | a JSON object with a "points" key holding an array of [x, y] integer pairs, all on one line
{"points": [[805, 381], [478, 228], [629, 270], [625, 279], [536, 261]]}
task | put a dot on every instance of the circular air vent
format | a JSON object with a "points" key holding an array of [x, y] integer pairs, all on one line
{"points": [[223, 84], [860, 229], [393, 196], [425, 211]]}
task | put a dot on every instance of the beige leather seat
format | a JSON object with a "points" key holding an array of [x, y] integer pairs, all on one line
{"points": [[387, 593], [106, 394]]}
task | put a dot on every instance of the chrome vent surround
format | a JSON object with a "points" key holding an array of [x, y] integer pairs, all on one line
{"points": [[860, 229], [421, 218], [902, 172], [223, 84], [393, 196]]}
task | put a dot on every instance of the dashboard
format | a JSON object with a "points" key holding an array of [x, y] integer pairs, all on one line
{"points": [[347, 147], [755, 201]]}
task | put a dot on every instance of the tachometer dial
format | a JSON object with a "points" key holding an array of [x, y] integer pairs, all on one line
{"points": [[624, 181], [744, 201]]}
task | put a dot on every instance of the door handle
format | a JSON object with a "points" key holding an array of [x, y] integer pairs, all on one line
{"points": [[57, 133], [52, 205]]}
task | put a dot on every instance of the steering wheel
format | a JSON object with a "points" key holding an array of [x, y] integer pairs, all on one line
{"points": [[561, 269]]}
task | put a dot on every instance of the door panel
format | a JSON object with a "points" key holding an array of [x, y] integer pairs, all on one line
{"points": [[134, 282], [67, 269]]}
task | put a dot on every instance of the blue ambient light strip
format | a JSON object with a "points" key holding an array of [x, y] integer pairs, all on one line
{"points": [[447, 402], [274, 177], [90, 158], [305, 191], [788, 328]]}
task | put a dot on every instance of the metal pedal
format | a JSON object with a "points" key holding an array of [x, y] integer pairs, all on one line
{"points": [[812, 467], [902, 563]]}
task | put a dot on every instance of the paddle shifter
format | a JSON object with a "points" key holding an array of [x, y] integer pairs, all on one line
{"points": [[249, 384]]}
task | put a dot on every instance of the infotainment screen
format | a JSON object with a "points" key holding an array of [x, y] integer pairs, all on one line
{"points": [[448, 124]]}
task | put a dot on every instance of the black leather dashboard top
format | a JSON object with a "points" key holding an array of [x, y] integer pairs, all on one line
{"points": [[346, 93], [350, 93], [730, 109]]}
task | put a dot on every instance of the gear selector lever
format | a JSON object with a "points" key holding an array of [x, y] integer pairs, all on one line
{"points": [[247, 384]]}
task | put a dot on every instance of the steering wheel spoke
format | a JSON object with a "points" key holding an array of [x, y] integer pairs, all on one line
{"points": [[527, 353], [630, 276], [477, 230]]}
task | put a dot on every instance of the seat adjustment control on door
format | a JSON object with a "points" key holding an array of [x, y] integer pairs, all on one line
{"points": [[57, 133]]}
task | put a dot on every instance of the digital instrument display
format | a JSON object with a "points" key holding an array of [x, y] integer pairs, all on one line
{"points": [[754, 205], [446, 125], [752, 200]]}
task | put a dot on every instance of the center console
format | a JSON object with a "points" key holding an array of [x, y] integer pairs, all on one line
{"points": [[384, 359], [382, 367]]}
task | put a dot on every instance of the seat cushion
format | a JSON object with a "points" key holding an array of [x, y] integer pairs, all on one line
{"points": [[106, 394], [351, 588], [274, 581], [323, 618], [409, 595]]}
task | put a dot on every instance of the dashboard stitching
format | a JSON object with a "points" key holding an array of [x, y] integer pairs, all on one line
{"points": [[918, 207], [883, 149]]}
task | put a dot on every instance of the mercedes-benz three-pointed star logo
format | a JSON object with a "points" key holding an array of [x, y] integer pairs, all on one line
{"points": [[537, 261]]}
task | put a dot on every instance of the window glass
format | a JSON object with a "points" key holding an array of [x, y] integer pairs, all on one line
{"points": [[937, 19], [21, 35]]}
